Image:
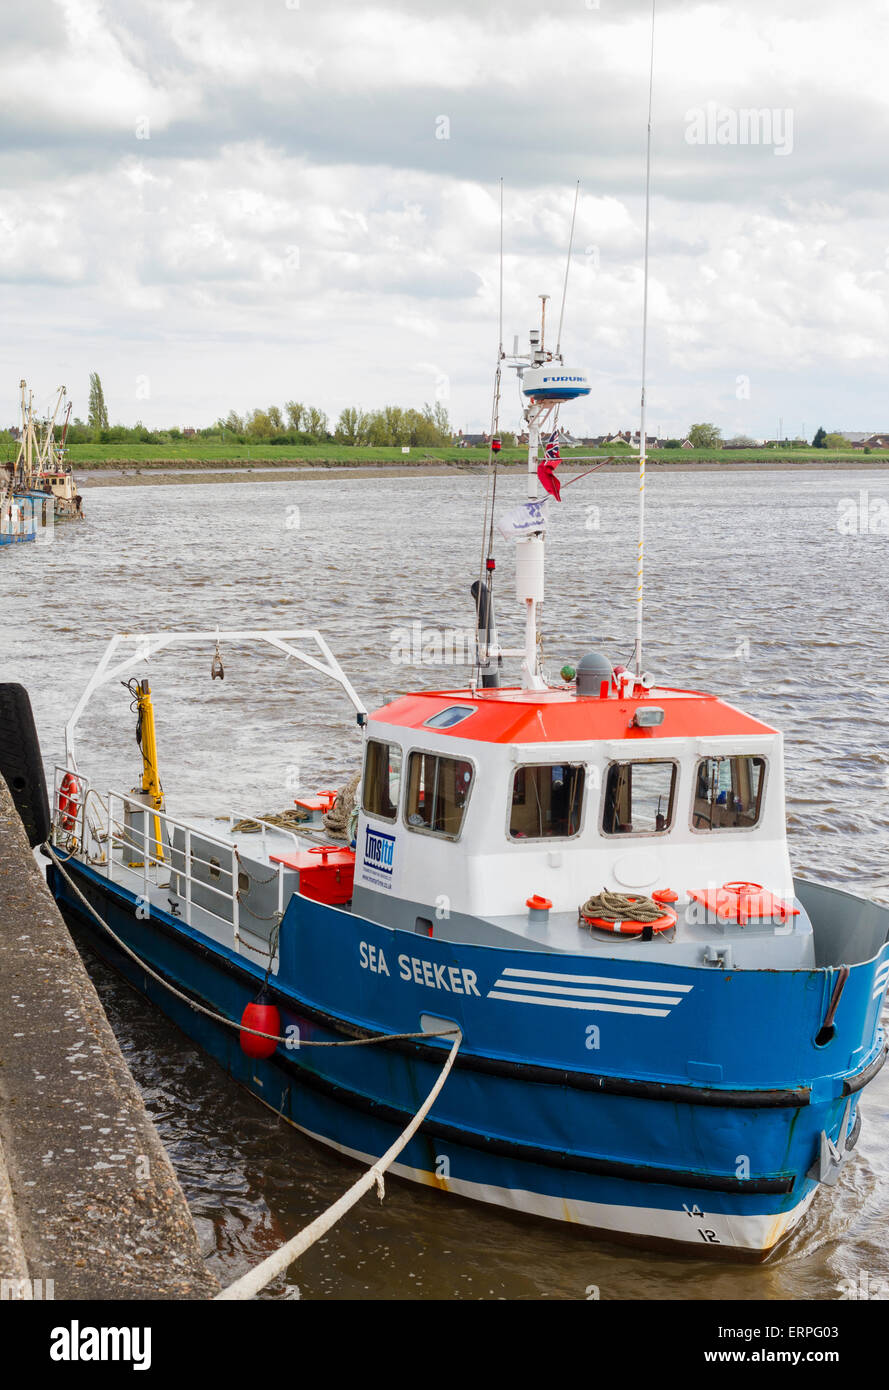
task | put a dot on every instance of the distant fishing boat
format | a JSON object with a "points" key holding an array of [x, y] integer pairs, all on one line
{"points": [[26, 514], [40, 467]]}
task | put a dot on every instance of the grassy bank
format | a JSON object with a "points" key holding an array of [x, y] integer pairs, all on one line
{"points": [[197, 454]]}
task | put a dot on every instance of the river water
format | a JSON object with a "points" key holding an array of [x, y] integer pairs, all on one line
{"points": [[769, 589]]}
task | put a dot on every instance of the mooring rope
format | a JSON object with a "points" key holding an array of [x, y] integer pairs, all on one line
{"points": [[211, 1013], [617, 907], [249, 1285], [256, 1279]]}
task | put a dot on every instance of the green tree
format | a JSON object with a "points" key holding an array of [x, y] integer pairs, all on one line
{"points": [[295, 414], [316, 422], [276, 419], [705, 437], [820, 436], [835, 441], [259, 426], [351, 427], [442, 423], [98, 411]]}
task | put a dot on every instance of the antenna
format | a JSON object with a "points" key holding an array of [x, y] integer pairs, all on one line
{"points": [[483, 588], [640, 568], [567, 268], [501, 268]]}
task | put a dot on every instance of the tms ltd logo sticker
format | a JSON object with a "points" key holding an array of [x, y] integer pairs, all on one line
{"points": [[379, 851]]}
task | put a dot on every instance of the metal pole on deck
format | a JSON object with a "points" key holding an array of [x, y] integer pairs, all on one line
{"points": [[640, 560]]}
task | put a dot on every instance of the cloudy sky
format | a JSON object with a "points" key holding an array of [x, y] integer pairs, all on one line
{"points": [[230, 204]]}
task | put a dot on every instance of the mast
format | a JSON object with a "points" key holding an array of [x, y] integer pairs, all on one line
{"points": [[530, 550], [45, 453], [567, 268], [643, 443], [545, 383]]}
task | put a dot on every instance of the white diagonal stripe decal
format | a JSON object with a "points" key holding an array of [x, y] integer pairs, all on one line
{"points": [[553, 990], [589, 1006], [589, 993], [594, 980]]}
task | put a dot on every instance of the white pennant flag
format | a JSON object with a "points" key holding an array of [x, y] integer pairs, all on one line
{"points": [[525, 520]]}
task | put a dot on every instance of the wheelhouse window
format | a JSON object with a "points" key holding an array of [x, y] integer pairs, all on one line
{"points": [[639, 798], [546, 801], [437, 792], [728, 792], [382, 779]]}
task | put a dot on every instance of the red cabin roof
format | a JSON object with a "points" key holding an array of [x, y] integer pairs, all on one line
{"points": [[560, 716]]}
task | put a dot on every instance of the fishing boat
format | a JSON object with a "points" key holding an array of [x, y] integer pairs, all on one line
{"points": [[41, 470], [54, 474], [25, 513], [664, 1034]]}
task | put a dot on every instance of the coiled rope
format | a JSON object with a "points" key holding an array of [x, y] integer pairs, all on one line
{"points": [[336, 819], [211, 1013], [617, 907], [286, 820]]}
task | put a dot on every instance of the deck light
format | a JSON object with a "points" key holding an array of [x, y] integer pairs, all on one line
{"points": [[648, 717]]}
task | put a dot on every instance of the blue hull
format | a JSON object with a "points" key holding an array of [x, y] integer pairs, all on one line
{"points": [[690, 1112]]}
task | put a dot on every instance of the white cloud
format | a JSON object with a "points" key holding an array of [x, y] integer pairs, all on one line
{"points": [[293, 227]]}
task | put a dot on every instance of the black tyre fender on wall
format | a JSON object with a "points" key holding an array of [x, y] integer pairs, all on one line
{"points": [[20, 761]]}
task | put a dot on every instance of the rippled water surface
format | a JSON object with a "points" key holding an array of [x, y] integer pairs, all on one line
{"points": [[753, 591]]}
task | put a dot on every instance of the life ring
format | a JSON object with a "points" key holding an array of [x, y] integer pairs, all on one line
{"points": [[69, 803], [630, 926]]}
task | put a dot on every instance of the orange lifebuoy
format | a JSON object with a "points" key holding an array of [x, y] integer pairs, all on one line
{"points": [[630, 926], [69, 803]]}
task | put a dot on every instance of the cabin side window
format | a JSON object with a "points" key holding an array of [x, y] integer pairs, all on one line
{"points": [[728, 792], [639, 798], [546, 801], [381, 786], [437, 792]]}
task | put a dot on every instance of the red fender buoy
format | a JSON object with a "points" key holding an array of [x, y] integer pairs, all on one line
{"points": [[266, 1019]]}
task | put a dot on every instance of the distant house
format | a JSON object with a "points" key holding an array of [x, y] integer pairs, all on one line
{"points": [[189, 432], [472, 441], [686, 444], [875, 441]]}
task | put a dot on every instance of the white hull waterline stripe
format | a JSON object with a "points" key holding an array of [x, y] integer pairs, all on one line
{"points": [[514, 972], [756, 1232]]}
